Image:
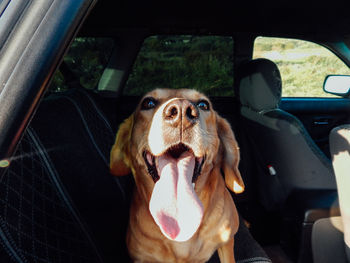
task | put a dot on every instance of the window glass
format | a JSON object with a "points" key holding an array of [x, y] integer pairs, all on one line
{"points": [[303, 65], [204, 63], [84, 63]]}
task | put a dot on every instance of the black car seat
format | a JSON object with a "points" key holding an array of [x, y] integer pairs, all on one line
{"points": [[60, 204], [38, 222], [59, 201], [290, 158], [331, 236]]}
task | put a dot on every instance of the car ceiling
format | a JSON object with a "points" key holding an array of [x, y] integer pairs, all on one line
{"points": [[220, 17]]}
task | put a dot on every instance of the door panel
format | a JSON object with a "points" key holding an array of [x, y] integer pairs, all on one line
{"points": [[319, 116]]}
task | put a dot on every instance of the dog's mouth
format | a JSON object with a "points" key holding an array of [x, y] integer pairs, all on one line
{"points": [[173, 152], [174, 204]]}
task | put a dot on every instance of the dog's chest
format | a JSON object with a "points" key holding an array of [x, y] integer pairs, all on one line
{"points": [[193, 251], [159, 249]]}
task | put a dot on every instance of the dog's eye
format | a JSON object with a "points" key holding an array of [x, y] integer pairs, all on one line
{"points": [[203, 105], [148, 103]]}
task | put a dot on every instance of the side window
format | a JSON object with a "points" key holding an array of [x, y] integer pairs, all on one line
{"points": [[303, 65], [84, 63], [204, 63]]}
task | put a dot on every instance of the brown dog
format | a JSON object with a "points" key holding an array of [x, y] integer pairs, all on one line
{"points": [[176, 146]]}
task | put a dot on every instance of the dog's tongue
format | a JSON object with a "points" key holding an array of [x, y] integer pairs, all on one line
{"points": [[174, 205]]}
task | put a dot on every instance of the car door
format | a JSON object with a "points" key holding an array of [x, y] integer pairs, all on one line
{"points": [[319, 116], [304, 66]]}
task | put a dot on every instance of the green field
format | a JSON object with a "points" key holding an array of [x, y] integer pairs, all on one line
{"points": [[197, 62], [303, 65]]}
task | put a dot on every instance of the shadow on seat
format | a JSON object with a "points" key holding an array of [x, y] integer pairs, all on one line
{"points": [[60, 203]]}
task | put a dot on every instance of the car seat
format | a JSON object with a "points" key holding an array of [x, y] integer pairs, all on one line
{"points": [[289, 157], [331, 236]]}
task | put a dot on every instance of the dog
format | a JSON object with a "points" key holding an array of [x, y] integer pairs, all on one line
{"points": [[177, 148]]}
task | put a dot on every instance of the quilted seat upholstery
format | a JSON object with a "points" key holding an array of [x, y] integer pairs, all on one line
{"points": [[37, 220]]}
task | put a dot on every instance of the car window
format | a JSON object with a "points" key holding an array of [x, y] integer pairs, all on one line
{"points": [[83, 64], [303, 65], [204, 63]]}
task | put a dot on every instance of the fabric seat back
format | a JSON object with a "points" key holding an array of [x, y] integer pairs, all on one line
{"points": [[331, 236], [38, 222], [340, 151], [286, 151]]}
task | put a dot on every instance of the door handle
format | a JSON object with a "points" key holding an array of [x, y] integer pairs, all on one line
{"points": [[325, 122]]}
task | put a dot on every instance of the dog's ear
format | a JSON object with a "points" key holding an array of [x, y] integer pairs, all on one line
{"points": [[120, 160], [230, 158]]}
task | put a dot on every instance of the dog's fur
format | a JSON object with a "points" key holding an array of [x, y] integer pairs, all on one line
{"points": [[172, 134]]}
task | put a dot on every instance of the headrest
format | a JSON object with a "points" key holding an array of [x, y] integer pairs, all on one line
{"points": [[259, 84]]}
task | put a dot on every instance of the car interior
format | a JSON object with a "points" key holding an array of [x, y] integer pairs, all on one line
{"points": [[59, 201]]}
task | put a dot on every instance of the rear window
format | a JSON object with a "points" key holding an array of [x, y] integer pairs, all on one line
{"points": [[204, 63], [84, 63]]}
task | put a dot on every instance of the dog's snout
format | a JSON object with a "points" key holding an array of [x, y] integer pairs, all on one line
{"points": [[180, 111]]}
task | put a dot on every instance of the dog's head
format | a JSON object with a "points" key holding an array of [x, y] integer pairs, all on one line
{"points": [[171, 144]]}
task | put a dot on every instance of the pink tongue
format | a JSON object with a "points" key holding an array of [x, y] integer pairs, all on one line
{"points": [[174, 205]]}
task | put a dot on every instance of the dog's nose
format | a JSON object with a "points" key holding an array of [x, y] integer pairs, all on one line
{"points": [[180, 111]]}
